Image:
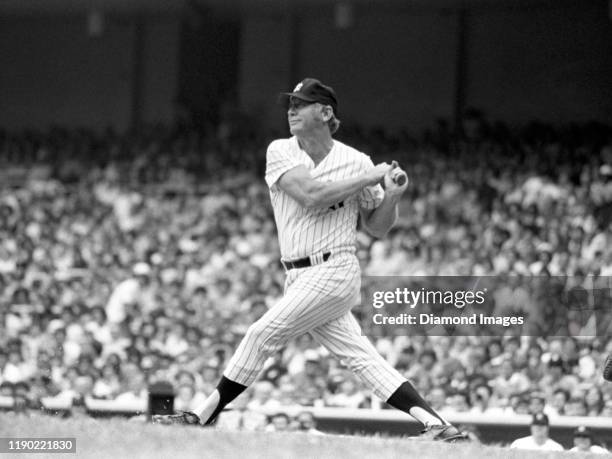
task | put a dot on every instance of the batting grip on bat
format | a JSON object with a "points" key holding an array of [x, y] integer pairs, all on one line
{"points": [[400, 177]]}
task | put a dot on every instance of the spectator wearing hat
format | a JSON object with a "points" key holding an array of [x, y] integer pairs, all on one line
{"points": [[583, 442], [539, 439]]}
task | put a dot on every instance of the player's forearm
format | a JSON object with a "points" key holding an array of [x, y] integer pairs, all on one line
{"points": [[382, 219], [325, 194]]}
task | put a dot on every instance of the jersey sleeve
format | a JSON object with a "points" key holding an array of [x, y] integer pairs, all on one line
{"points": [[371, 196], [278, 161]]}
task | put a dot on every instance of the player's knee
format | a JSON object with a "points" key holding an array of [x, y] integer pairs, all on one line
{"points": [[358, 365], [259, 333]]}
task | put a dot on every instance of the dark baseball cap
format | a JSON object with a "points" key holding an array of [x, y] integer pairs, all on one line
{"points": [[539, 419], [583, 431], [312, 90]]}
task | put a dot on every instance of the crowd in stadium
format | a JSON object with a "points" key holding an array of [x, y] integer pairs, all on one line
{"points": [[129, 259]]}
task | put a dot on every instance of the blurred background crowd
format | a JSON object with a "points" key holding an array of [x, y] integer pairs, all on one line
{"points": [[129, 259]]}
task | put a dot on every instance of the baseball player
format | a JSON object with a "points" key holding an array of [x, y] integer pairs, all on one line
{"points": [[318, 188], [539, 439], [583, 442]]}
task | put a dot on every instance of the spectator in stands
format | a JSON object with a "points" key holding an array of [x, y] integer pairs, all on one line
{"points": [[509, 381], [559, 400], [594, 401], [186, 396], [6, 389], [481, 400], [286, 394], [576, 406], [65, 248], [459, 402], [134, 387], [132, 292], [279, 422], [98, 325], [306, 422], [539, 439], [459, 381], [238, 417], [583, 442], [348, 395], [79, 390], [537, 403], [310, 396], [16, 369], [262, 397], [42, 386], [313, 373], [108, 385], [437, 398]]}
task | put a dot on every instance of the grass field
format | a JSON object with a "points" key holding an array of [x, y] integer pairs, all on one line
{"points": [[128, 439]]}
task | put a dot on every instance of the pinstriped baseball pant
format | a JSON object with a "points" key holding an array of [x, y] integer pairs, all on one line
{"points": [[318, 301]]}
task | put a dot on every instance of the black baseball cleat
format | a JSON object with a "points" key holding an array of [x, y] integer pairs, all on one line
{"points": [[185, 418], [446, 433]]}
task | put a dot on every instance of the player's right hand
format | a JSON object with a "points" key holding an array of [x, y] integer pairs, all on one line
{"points": [[377, 174], [396, 180]]}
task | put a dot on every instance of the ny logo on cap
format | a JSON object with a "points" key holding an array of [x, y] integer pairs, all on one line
{"points": [[298, 87]]}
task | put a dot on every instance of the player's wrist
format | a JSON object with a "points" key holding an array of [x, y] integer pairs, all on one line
{"points": [[394, 194], [372, 178]]}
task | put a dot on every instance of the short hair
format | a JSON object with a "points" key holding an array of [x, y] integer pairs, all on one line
{"points": [[333, 124]]}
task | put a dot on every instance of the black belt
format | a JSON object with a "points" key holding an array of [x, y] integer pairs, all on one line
{"points": [[305, 262]]}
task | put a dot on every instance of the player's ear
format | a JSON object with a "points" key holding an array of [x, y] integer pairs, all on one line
{"points": [[327, 112]]}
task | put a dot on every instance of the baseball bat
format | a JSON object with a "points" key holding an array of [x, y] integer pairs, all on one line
{"points": [[607, 372], [399, 179]]}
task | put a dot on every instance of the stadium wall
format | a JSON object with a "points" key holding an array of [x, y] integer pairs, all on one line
{"points": [[54, 72], [553, 64], [388, 68], [397, 66], [393, 65]]}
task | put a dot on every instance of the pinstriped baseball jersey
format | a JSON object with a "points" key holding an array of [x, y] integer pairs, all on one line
{"points": [[303, 232]]}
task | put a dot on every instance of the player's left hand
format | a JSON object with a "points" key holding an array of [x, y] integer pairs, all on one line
{"points": [[395, 184]]}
